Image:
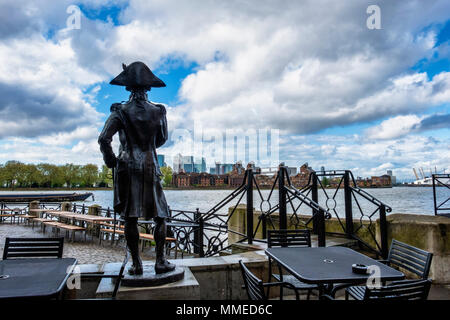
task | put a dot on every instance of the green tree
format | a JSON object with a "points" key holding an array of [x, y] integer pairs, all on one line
{"points": [[167, 175], [89, 175], [72, 174], [28, 175], [12, 173], [325, 182], [52, 175], [3, 179], [105, 177], [20, 174]]}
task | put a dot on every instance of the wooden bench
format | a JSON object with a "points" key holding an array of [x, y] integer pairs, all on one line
{"points": [[26, 217], [118, 231], [143, 237], [108, 224], [110, 231], [146, 237], [67, 227], [40, 220], [50, 223], [6, 215], [73, 229]]}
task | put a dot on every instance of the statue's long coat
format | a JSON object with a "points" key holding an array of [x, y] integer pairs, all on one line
{"points": [[142, 128]]}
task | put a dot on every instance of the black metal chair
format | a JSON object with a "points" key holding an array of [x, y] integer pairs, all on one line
{"points": [[255, 286], [417, 289], [33, 248], [401, 256], [117, 277], [289, 238]]}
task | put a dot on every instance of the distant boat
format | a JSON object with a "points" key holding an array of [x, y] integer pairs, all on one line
{"points": [[45, 197]]}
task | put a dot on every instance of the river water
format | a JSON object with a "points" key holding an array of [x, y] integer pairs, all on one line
{"points": [[417, 200]]}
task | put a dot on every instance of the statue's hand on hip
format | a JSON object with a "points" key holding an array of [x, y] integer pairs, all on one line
{"points": [[111, 162]]}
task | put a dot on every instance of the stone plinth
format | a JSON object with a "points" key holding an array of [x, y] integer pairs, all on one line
{"points": [[150, 278], [186, 289]]}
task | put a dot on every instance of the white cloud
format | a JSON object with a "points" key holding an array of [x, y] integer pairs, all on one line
{"points": [[293, 66], [297, 66], [42, 86], [370, 157], [394, 127]]}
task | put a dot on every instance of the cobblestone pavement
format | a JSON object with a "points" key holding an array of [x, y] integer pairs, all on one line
{"points": [[85, 252]]}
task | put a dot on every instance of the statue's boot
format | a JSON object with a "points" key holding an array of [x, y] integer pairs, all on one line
{"points": [[132, 236], [163, 266], [136, 267]]}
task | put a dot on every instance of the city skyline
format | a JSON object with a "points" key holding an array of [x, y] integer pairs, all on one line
{"points": [[224, 168]]}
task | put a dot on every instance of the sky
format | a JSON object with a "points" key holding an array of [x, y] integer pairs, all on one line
{"points": [[330, 90]]}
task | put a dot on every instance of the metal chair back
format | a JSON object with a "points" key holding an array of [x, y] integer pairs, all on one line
{"points": [[410, 258], [33, 248], [288, 238], [253, 285], [401, 290]]}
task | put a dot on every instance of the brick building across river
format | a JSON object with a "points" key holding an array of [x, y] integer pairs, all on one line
{"points": [[235, 178]]}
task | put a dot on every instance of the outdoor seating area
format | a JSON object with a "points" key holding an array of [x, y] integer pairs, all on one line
{"points": [[403, 276], [295, 264], [298, 268], [80, 226], [68, 222]]}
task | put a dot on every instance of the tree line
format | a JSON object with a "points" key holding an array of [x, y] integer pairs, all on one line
{"points": [[15, 174]]}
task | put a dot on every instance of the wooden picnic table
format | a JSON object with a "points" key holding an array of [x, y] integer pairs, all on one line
{"points": [[39, 211], [13, 209], [79, 216], [11, 213], [73, 216]]}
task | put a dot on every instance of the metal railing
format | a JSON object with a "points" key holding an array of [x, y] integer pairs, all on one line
{"points": [[206, 233], [439, 207]]}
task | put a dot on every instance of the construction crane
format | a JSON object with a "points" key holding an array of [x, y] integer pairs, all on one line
{"points": [[422, 173], [415, 173]]}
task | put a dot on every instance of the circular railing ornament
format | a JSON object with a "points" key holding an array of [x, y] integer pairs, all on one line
{"points": [[331, 204], [265, 208]]}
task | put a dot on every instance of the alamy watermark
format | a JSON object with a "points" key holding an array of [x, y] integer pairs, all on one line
{"points": [[374, 280], [73, 21], [260, 146], [74, 279], [374, 19]]}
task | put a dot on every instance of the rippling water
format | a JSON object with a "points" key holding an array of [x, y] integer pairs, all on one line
{"points": [[418, 200]]}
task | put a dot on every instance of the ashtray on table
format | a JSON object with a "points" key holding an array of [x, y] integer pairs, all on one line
{"points": [[359, 268]]}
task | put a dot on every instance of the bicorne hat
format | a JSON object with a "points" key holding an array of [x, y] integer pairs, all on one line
{"points": [[137, 75]]}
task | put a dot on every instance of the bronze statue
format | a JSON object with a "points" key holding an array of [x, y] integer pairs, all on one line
{"points": [[138, 192]]}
